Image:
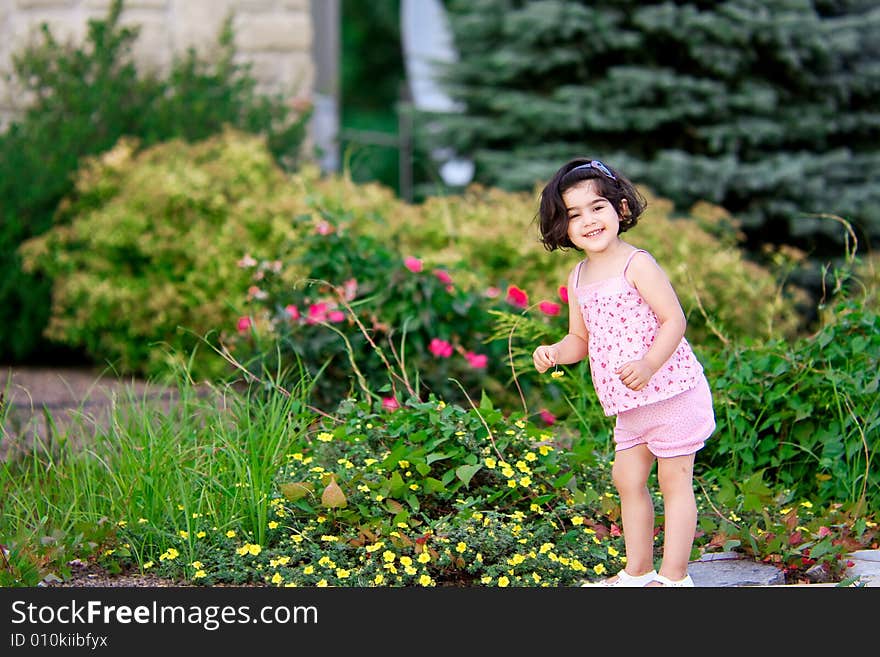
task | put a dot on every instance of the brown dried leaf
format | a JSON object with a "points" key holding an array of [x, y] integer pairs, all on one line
{"points": [[294, 490], [333, 496]]}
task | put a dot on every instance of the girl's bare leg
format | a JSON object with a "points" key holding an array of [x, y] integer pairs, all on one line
{"points": [[675, 475], [630, 474]]}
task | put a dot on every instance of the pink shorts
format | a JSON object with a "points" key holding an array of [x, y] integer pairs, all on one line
{"points": [[672, 427]]}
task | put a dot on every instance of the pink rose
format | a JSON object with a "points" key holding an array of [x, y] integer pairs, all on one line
{"points": [[244, 323], [549, 308], [390, 404], [440, 348], [443, 276], [413, 264], [336, 316], [349, 289], [547, 416], [477, 361], [317, 313], [292, 311], [563, 293], [517, 297]]}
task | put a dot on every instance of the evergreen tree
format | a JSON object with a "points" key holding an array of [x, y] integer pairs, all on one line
{"points": [[770, 108]]}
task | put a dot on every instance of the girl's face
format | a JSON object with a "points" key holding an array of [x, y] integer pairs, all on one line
{"points": [[593, 222]]}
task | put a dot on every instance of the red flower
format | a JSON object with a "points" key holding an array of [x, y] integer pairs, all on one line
{"points": [[615, 530], [563, 293], [349, 289], [443, 276], [317, 313], [440, 348], [336, 316], [549, 308], [547, 416], [413, 264], [244, 323], [477, 361], [323, 228], [292, 311], [824, 531], [517, 297], [390, 404]]}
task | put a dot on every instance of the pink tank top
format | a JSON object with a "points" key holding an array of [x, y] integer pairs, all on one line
{"points": [[621, 328]]}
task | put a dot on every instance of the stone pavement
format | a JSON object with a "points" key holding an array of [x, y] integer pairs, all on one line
{"points": [[724, 569], [71, 393]]}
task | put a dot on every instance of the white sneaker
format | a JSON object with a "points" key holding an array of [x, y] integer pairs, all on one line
{"points": [[665, 581], [624, 579]]}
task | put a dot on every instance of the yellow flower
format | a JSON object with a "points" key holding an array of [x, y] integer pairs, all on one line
{"points": [[545, 449], [183, 534], [148, 564], [441, 405], [577, 520], [557, 373], [389, 556], [197, 565], [230, 534], [201, 535], [406, 561], [322, 583], [277, 578], [807, 505], [379, 578], [199, 573], [424, 557], [425, 580], [612, 552], [142, 521], [308, 570], [460, 547], [325, 437], [409, 570], [599, 569], [122, 523], [525, 482], [491, 463], [503, 581], [272, 524], [341, 573], [511, 483], [485, 579]]}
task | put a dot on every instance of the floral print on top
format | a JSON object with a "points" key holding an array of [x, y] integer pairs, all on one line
{"points": [[621, 328]]}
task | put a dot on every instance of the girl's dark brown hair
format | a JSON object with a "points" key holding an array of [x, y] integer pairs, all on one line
{"points": [[553, 215]]}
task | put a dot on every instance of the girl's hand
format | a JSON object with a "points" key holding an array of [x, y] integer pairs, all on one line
{"points": [[545, 357], [635, 374]]}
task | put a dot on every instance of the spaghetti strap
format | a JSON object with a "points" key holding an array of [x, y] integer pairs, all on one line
{"points": [[577, 274], [629, 260]]}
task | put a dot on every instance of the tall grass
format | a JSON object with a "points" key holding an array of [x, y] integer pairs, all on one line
{"points": [[207, 454]]}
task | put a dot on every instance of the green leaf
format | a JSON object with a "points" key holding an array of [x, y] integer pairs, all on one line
{"points": [[466, 472]]}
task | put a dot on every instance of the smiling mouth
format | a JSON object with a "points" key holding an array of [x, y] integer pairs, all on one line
{"points": [[593, 233]]}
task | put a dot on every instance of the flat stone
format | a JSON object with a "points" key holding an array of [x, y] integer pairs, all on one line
{"points": [[866, 567], [729, 569]]}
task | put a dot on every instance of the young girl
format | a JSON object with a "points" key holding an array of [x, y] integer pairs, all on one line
{"points": [[628, 320]]}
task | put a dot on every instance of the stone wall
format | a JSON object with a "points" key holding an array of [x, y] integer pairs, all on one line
{"points": [[274, 35]]}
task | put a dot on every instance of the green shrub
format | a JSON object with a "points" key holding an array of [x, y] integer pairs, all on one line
{"points": [[84, 98], [806, 412], [144, 258]]}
